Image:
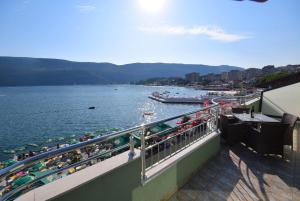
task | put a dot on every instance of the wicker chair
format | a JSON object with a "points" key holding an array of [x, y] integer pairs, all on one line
{"points": [[231, 130], [291, 121], [240, 110], [269, 139]]}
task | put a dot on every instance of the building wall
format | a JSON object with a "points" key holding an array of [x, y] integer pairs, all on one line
{"points": [[284, 99], [192, 77], [116, 185], [235, 75]]}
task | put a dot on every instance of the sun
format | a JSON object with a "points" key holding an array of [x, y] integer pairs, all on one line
{"points": [[152, 5]]}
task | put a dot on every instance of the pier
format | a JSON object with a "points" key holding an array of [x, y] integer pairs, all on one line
{"points": [[177, 100]]}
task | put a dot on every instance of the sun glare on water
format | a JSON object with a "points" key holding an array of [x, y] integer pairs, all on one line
{"points": [[152, 5]]}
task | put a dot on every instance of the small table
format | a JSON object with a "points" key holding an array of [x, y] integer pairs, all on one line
{"points": [[258, 118]]}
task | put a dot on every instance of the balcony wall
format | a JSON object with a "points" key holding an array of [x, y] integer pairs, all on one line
{"points": [[119, 179], [280, 100], [170, 180]]}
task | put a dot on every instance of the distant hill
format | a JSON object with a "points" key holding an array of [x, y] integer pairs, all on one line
{"points": [[22, 71]]}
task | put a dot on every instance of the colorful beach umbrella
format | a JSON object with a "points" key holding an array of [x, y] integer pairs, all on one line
{"points": [[22, 180]]}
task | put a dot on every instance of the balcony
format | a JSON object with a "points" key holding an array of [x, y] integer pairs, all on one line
{"points": [[238, 173]]}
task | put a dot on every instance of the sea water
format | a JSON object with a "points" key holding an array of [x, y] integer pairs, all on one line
{"points": [[52, 114]]}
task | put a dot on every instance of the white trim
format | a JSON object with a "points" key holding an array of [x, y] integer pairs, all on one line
{"points": [[252, 101]]}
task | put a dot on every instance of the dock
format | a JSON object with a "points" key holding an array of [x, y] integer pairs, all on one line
{"points": [[177, 100]]}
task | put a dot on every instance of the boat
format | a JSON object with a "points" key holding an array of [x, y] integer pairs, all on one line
{"points": [[149, 113], [92, 108], [32, 145]]}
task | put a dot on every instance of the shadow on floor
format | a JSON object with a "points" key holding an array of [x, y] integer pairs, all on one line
{"points": [[238, 173]]}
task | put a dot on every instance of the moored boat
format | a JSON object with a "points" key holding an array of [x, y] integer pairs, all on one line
{"points": [[32, 145]]}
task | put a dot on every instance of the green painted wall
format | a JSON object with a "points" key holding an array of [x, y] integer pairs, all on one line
{"points": [[124, 183], [116, 185], [164, 185]]}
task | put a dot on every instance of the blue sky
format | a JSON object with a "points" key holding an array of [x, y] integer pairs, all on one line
{"points": [[215, 32]]}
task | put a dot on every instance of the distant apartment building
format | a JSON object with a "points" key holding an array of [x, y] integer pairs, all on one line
{"points": [[211, 77], [224, 76], [252, 73], [192, 77], [235, 75]]}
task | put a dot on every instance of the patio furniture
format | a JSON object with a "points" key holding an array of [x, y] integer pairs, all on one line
{"points": [[258, 118], [291, 121], [252, 123], [239, 110], [268, 139], [231, 130]]}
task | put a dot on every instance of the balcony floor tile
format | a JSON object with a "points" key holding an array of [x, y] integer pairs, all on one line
{"points": [[238, 173]]}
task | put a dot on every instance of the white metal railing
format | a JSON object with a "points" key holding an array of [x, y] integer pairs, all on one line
{"points": [[159, 146], [240, 99]]}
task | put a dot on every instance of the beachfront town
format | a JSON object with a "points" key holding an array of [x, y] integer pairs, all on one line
{"points": [[234, 79]]}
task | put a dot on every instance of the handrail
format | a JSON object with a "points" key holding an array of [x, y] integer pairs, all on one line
{"points": [[257, 94], [45, 155]]}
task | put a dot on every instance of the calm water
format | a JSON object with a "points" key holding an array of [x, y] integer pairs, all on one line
{"points": [[37, 114]]}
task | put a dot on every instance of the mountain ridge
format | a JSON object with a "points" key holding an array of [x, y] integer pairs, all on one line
{"points": [[27, 71]]}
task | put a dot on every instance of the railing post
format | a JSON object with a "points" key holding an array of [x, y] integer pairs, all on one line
{"points": [[143, 155], [131, 147], [217, 117]]}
